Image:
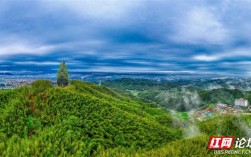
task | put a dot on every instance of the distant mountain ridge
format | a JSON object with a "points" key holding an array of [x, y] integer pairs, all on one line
{"points": [[5, 73]]}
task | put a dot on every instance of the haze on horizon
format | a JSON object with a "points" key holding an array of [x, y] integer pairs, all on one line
{"points": [[200, 36]]}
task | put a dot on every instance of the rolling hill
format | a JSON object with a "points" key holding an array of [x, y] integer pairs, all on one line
{"points": [[85, 119], [78, 120]]}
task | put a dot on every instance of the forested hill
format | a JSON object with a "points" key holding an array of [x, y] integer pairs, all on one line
{"points": [[78, 120]]}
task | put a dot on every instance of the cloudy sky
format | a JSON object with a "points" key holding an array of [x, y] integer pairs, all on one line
{"points": [[190, 36]]}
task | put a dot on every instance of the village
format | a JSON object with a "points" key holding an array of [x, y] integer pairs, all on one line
{"points": [[14, 83], [241, 106]]}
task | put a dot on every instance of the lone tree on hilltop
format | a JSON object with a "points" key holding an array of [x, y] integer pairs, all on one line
{"points": [[62, 78]]}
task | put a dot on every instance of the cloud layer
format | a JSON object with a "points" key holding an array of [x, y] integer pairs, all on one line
{"points": [[126, 36]]}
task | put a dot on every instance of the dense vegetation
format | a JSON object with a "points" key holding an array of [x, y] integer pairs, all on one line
{"points": [[84, 119], [143, 84], [77, 120], [237, 126], [222, 95], [181, 95]]}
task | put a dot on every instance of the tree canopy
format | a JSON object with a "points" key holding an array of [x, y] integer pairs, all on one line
{"points": [[62, 78]]}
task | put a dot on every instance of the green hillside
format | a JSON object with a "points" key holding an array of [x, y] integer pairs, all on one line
{"points": [[85, 119], [237, 126], [78, 120], [222, 95], [182, 95]]}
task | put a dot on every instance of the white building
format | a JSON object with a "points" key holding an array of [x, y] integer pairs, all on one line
{"points": [[241, 102], [220, 105]]}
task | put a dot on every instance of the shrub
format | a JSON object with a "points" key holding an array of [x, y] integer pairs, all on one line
{"points": [[41, 85]]}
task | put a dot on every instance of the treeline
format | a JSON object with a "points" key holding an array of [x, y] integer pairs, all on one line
{"points": [[144, 84]]}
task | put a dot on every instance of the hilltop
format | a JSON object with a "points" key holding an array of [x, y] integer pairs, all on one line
{"points": [[80, 119]]}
